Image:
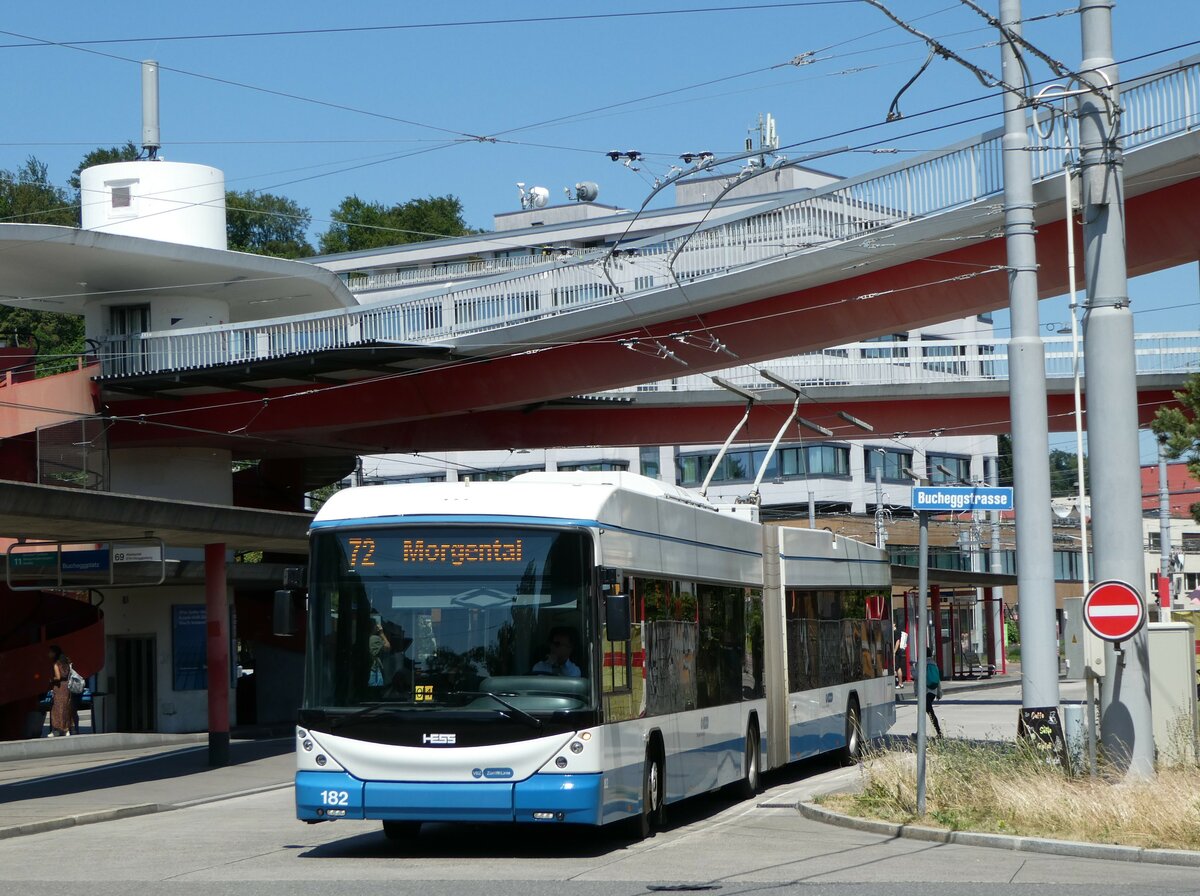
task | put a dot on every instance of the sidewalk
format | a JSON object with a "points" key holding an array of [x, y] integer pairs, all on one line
{"points": [[49, 789]]}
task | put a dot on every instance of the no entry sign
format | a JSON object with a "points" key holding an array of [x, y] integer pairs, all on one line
{"points": [[1114, 611]]}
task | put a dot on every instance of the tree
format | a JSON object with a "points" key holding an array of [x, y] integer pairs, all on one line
{"points": [[1064, 477], [28, 197], [104, 155], [1064, 473], [1004, 459], [267, 224], [358, 224], [1180, 427]]}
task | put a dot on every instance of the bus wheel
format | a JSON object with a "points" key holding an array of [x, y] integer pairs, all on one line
{"points": [[653, 812], [401, 831], [752, 772], [853, 750]]}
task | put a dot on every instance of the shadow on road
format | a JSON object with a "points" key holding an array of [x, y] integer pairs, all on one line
{"points": [[159, 767], [490, 841]]}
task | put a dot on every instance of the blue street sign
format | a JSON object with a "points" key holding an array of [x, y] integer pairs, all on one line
{"points": [[944, 498]]}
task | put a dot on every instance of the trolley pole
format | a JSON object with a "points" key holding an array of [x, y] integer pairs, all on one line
{"points": [[1027, 397], [1126, 726]]}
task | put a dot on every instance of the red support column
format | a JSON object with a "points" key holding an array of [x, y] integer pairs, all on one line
{"points": [[989, 628], [217, 614], [935, 616]]}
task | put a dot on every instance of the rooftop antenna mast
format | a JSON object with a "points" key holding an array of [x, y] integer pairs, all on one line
{"points": [[151, 142]]}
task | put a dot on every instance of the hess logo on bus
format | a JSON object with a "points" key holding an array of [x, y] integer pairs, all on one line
{"points": [[439, 739]]}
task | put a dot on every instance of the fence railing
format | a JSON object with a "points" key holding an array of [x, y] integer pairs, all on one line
{"points": [[1155, 107], [927, 362]]}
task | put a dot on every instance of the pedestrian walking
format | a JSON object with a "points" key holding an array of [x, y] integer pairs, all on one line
{"points": [[901, 650], [62, 707], [933, 689]]}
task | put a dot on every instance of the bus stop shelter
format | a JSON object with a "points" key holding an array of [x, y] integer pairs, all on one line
{"points": [[42, 513]]}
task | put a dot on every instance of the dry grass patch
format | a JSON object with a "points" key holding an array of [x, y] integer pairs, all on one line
{"points": [[1008, 789]]}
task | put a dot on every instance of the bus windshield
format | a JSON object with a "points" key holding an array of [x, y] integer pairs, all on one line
{"points": [[450, 617]]}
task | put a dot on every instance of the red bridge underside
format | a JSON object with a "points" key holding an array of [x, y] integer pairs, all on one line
{"points": [[497, 402]]}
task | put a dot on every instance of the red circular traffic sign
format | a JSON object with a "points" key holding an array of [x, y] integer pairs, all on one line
{"points": [[1114, 610]]}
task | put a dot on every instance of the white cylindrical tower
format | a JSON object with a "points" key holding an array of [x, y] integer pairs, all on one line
{"points": [[175, 202]]}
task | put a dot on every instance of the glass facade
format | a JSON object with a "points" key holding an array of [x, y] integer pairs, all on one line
{"points": [[788, 461]]}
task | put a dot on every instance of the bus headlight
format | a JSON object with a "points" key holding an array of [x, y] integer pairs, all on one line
{"points": [[576, 747]]}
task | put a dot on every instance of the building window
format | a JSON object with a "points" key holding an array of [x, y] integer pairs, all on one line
{"points": [[597, 466], [648, 462], [499, 474], [959, 467], [892, 462], [743, 465]]}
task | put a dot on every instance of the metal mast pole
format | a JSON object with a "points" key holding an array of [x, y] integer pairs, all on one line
{"points": [[1027, 396], [879, 534], [1126, 726], [1164, 533]]}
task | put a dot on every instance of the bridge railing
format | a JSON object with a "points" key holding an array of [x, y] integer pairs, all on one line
{"points": [[1156, 106], [926, 362]]}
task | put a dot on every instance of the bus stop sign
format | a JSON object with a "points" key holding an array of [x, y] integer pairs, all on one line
{"points": [[1114, 611]]}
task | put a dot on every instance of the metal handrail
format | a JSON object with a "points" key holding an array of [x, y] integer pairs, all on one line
{"points": [[927, 361], [1155, 107]]}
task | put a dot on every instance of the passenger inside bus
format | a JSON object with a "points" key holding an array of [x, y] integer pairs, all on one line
{"points": [[558, 657]]}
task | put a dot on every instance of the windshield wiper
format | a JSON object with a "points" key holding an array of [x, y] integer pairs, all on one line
{"points": [[367, 710], [531, 720]]}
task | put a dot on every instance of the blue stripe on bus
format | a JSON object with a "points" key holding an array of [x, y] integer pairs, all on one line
{"points": [[493, 519], [328, 796]]}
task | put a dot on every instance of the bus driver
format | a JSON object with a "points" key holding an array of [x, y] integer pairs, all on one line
{"points": [[558, 660]]}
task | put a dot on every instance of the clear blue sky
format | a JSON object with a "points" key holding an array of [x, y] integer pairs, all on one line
{"points": [[497, 79]]}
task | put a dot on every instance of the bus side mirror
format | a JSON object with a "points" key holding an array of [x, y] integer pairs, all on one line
{"points": [[616, 617], [283, 617]]}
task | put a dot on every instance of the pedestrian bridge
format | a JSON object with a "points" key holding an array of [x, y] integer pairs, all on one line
{"points": [[908, 210], [913, 244]]}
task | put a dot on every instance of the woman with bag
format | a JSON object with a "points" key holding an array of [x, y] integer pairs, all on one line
{"points": [[61, 705]]}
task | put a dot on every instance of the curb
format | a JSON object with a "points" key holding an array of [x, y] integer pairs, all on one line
{"points": [[71, 821], [41, 747], [1068, 848]]}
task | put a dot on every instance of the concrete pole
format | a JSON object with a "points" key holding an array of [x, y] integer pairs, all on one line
{"points": [[1126, 726], [217, 616], [1027, 397], [1164, 534]]}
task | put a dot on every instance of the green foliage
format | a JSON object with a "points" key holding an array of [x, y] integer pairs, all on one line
{"points": [[317, 497], [103, 155], [1063, 466], [1004, 459], [28, 197], [359, 224], [1064, 475], [1180, 428], [267, 224]]}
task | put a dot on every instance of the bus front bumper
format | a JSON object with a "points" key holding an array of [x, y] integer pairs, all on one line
{"points": [[328, 796]]}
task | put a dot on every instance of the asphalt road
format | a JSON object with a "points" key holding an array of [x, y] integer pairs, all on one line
{"points": [[253, 845]]}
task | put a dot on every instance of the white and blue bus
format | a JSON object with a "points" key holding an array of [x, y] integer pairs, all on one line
{"points": [[574, 647]]}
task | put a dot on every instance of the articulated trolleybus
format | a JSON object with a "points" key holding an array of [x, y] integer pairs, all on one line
{"points": [[574, 647]]}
